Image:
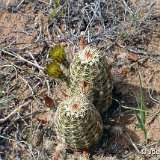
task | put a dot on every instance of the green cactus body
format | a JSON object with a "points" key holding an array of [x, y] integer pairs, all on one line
{"points": [[90, 65], [78, 124]]}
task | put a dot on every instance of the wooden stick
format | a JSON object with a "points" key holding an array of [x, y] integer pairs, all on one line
{"points": [[13, 112]]}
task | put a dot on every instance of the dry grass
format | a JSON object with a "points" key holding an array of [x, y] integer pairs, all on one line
{"points": [[120, 29]]}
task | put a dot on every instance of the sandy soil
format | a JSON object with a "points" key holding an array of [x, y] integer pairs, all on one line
{"points": [[25, 38]]}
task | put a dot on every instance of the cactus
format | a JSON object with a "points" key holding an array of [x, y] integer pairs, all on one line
{"points": [[78, 123], [89, 65]]}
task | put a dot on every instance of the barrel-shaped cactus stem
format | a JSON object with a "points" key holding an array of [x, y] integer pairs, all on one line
{"points": [[78, 123], [90, 65]]}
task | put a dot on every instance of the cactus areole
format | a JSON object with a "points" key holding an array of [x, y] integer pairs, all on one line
{"points": [[78, 124]]}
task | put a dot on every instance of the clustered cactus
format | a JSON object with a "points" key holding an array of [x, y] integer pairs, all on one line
{"points": [[78, 123]]}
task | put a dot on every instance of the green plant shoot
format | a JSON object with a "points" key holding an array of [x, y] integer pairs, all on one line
{"points": [[141, 113], [55, 10]]}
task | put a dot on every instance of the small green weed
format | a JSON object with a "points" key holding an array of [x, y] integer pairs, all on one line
{"points": [[141, 112], [56, 9]]}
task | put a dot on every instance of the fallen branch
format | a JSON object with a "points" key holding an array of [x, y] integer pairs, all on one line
{"points": [[13, 112], [21, 58]]}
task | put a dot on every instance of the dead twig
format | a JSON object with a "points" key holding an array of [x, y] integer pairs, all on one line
{"points": [[13, 112], [18, 6], [21, 58]]}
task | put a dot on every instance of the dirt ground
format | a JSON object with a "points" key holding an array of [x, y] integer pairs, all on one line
{"points": [[127, 32]]}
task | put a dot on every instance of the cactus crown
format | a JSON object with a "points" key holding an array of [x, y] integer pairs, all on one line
{"points": [[89, 55], [76, 108]]}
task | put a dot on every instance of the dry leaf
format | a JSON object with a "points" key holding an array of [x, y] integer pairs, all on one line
{"points": [[42, 118], [122, 70], [132, 57], [48, 101]]}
